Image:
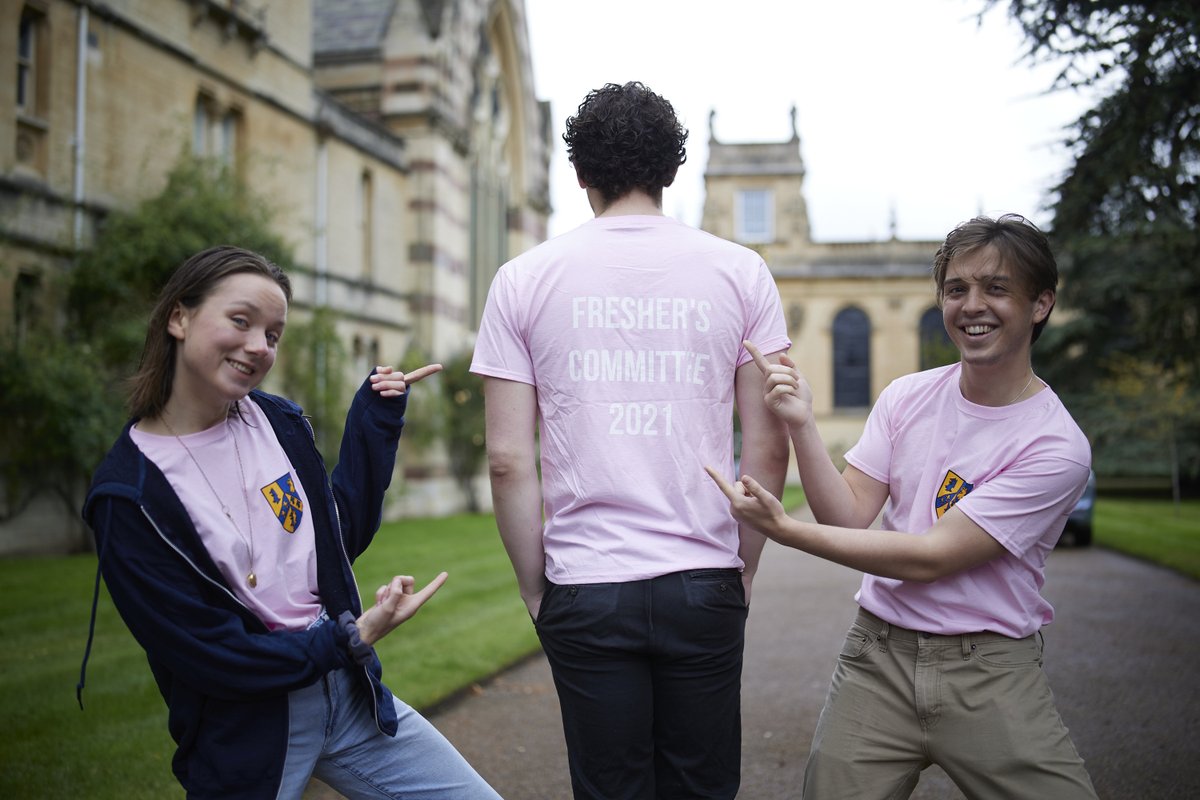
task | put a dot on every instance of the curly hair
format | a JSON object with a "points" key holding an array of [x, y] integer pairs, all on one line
{"points": [[624, 138], [1021, 246]]}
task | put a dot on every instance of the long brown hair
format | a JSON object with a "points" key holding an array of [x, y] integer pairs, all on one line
{"points": [[189, 285]]}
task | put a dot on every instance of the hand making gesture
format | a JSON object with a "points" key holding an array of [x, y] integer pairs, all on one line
{"points": [[395, 603], [751, 504], [392, 383], [785, 390]]}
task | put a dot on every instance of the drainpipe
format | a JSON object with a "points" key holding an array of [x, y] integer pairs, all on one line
{"points": [[80, 119], [321, 259], [321, 245]]}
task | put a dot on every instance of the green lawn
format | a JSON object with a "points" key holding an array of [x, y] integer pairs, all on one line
{"points": [[119, 747], [1156, 530]]}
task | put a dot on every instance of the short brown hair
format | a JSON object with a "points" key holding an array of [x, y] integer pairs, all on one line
{"points": [[190, 284], [1021, 246]]}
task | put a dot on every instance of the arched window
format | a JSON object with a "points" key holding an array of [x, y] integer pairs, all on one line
{"points": [[936, 349], [366, 223], [851, 359]]}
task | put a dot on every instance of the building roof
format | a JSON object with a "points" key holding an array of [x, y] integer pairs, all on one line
{"points": [[350, 26], [756, 158], [882, 268]]}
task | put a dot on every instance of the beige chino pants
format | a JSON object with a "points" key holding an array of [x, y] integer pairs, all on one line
{"points": [[978, 705]]}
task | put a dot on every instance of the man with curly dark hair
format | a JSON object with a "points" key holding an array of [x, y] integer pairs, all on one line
{"points": [[625, 138], [624, 336]]}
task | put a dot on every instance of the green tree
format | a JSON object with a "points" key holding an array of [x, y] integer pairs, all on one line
{"points": [[312, 363], [114, 285], [62, 390], [1146, 409], [462, 391], [1126, 209]]}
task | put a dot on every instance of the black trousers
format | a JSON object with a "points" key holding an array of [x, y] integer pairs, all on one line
{"points": [[649, 677]]}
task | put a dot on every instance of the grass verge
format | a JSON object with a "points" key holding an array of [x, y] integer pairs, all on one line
{"points": [[1155, 530]]}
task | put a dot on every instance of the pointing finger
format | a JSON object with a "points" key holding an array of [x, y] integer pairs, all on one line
{"points": [[722, 484], [422, 372], [432, 587], [757, 356]]}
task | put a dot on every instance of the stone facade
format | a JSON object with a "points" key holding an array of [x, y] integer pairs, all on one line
{"points": [[860, 314], [400, 141]]}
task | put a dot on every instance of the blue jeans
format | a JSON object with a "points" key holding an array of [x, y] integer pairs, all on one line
{"points": [[333, 736], [649, 676]]}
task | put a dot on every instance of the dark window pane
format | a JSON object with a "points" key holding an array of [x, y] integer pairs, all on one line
{"points": [[851, 359]]}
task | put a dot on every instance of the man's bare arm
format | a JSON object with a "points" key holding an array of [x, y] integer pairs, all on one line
{"points": [[511, 424], [764, 453]]}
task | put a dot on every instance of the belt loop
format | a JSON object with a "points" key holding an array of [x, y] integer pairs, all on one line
{"points": [[966, 646], [883, 637]]}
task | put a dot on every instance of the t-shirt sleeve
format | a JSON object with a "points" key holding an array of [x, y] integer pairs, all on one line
{"points": [[872, 455], [501, 349], [1018, 506], [765, 325]]}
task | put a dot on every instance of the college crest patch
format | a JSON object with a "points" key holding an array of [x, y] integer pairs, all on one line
{"points": [[953, 489], [285, 502]]}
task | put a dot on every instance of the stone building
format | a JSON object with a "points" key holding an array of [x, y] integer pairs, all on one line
{"points": [[860, 314], [401, 141]]}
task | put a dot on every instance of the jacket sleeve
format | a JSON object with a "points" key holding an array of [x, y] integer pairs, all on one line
{"points": [[365, 465], [186, 622]]}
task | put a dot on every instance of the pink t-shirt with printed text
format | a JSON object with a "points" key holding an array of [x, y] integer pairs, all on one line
{"points": [[1015, 470], [631, 328], [285, 562]]}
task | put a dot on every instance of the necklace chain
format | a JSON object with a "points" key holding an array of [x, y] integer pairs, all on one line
{"points": [[251, 578], [1016, 397], [1024, 389]]}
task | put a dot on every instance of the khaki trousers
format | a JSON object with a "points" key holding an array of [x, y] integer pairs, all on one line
{"points": [[978, 705]]}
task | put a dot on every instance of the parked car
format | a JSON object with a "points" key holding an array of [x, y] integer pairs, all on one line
{"points": [[1078, 531]]}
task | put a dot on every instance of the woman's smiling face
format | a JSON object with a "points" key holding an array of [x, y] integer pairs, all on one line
{"points": [[228, 343]]}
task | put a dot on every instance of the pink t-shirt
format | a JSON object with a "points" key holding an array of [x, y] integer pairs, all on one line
{"points": [[285, 561], [631, 328], [1015, 470]]}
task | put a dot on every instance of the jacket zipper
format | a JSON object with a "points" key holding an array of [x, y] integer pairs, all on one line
{"points": [[353, 578], [189, 561]]}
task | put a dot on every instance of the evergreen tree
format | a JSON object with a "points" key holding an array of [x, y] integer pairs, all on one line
{"points": [[1125, 219]]}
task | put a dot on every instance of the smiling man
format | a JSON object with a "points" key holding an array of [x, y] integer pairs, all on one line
{"points": [[979, 465]]}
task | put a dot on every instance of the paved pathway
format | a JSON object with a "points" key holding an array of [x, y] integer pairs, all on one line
{"points": [[1121, 656]]}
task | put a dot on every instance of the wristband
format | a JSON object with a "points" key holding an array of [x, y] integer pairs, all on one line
{"points": [[360, 651]]}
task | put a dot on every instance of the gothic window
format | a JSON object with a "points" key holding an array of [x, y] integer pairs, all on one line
{"points": [[851, 359], [26, 295], [366, 222], [29, 33], [32, 71], [754, 216], [227, 150], [489, 235], [936, 349], [215, 131]]}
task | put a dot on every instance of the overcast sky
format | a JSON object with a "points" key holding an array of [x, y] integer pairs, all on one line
{"points": [[900, 104]]}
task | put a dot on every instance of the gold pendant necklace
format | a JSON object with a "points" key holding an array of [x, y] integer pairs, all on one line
{"points": [[251, 578]]}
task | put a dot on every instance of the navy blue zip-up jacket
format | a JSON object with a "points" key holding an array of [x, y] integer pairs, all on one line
{"points": [[224, 676]]}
